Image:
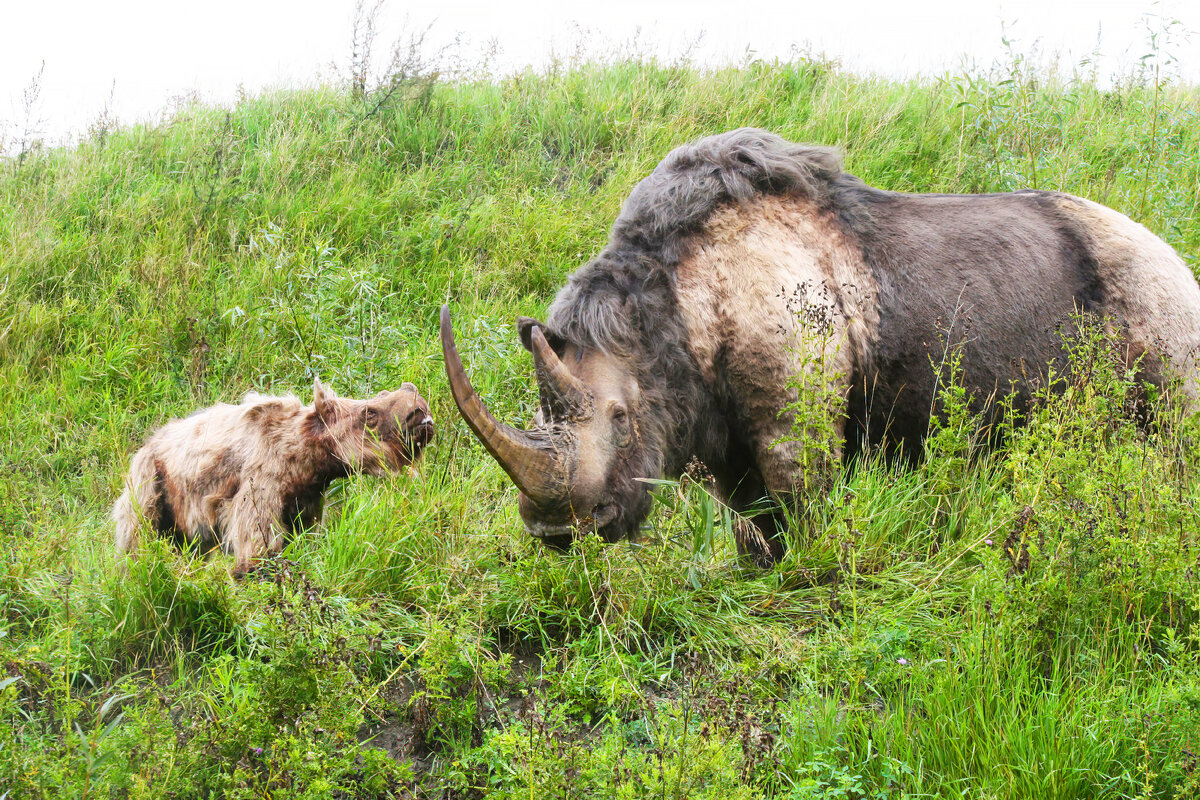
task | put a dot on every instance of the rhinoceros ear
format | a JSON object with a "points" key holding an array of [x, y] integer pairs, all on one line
{"points": [[525, 326], [323, 399]]}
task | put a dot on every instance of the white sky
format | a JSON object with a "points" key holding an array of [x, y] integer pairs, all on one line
{"points": [[134, 56]]}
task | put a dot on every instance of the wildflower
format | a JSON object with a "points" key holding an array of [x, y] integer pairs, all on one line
{"points": [[902, 661], [988, 542]]}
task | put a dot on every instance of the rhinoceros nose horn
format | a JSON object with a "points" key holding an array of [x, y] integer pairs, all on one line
{"points": [[531, 458]]}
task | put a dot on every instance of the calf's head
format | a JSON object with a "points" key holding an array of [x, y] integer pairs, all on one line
{"points": [[386, 432], [580, 467]]}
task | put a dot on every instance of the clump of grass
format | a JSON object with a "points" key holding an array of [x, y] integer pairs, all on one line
{"points": [[163, 606]]}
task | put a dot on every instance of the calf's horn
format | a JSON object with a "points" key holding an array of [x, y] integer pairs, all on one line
{"points": [[529, 457]]}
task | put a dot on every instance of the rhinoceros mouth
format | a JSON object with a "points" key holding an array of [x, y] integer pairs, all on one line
{"points": [[542, 530], [601, 516]]}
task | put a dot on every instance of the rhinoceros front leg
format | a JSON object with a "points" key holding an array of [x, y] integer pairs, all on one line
{"points": [[789, 469], [758, 527]]}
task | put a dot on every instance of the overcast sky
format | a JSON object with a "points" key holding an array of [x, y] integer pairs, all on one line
{"points": [[134, 56]]}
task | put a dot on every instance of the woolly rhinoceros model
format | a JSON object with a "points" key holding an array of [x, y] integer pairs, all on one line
{"points": [[680, 339]]}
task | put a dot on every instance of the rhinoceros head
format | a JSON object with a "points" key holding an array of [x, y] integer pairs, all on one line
{"points": [[579, 467]]}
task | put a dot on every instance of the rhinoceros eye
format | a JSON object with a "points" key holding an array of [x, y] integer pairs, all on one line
{"points": [[620, 425], [370, 416]]}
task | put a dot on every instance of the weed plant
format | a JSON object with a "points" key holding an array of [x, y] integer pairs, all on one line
{"points": [[999, 620]]}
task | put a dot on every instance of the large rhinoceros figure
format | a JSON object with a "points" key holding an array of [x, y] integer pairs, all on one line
{"points": [[681, 338]]}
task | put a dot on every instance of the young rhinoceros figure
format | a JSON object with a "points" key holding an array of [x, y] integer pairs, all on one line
{"points": [[243, 476]]}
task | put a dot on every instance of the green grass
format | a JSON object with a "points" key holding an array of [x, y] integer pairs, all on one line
{"points": [[1019, 622]]}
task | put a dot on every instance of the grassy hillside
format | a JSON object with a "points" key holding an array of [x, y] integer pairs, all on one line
{"points": [[1019, 624]]}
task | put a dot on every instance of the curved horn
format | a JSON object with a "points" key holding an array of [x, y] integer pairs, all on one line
{"points": [[528, 457], [561, 393]]}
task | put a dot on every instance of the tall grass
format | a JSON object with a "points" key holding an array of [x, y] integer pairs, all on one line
{"points": [[1008, 622]]}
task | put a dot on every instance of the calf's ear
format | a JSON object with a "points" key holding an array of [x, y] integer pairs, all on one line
{"points": [[323, 398]]}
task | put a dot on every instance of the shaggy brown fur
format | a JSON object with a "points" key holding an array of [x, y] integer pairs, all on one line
{"points": [[242, 476]]}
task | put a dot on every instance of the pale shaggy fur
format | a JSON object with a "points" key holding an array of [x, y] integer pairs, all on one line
{"points": [[242, 476], [734, 293]]}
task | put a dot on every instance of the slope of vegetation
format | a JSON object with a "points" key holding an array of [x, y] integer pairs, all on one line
{"points": [[1013, 623]]}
